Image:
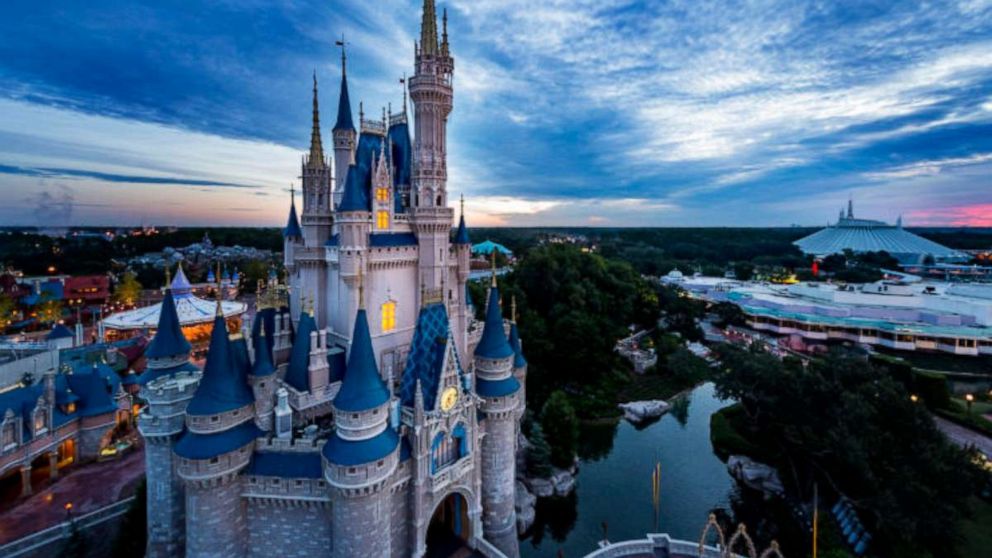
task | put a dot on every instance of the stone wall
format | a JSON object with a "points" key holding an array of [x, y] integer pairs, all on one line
{"points": [[166, 503], [215, 519], [498, 484], [288, 528], [359, 524]]}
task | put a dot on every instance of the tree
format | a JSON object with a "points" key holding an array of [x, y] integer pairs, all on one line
{"points": [[561, 424], [7, 309], [538, 453], [49, 310], [128, 290]]}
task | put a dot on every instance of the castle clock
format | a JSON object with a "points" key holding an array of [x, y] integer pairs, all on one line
{"points": [[448, 398]]}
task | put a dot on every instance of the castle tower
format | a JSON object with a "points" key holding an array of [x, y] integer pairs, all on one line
{"points": [[168, 384], [263, 378], [292, 235], [344, 134], [317, 200], [215, 447], [354, 220], [362, 455], [500, 392], [431, 92], [463, 254], [519, 362]]}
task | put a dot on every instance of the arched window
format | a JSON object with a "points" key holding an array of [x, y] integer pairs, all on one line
{"points": [[447, 449], [460, 438], [388, 316]]}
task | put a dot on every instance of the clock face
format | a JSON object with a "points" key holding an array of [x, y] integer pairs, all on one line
{"points": [[448, 398]]}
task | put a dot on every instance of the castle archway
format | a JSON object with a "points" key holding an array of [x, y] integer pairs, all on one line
{"points": [[450, 527]]}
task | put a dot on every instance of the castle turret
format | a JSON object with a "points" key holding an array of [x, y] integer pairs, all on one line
{"points": [[263, 378], [362, 455], [216, 445], [500, 391], [431, 92], [318, 211], [463, 254], [167, 385], [292, 235], [344, 134], [519, 362]]}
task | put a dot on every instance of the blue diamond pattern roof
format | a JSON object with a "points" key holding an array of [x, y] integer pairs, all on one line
{"points": [[493, 343], [169, 340], [224, 386], [362, 388], [426, 358]]}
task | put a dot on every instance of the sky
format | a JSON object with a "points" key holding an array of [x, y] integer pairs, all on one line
{"points": [[567, 112]]}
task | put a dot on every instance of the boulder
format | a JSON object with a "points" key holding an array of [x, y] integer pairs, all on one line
{"points": [[755, 475], [563, 482], [524, 503], [542, 488], [639, 411]]}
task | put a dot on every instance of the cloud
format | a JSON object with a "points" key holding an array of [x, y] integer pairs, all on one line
{"points": [[109, 177]]}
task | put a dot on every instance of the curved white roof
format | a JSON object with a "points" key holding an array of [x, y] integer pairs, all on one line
{"points": [[863, 235], [191, 309]]}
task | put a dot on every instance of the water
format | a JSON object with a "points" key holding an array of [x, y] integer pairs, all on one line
{"points": [[614, 483]]}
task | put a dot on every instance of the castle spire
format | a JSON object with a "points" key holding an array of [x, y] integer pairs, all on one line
{"points": [[316, 149], [444, 32], [220, 308], [428, 30], [850, 208], [292, 229], [344, 121]]}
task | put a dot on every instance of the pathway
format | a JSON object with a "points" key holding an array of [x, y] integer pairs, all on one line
{"points": [[963, 436], [88, 488]]}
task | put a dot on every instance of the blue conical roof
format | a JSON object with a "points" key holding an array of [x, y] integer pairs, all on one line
{"points": [[169, 340], [224, 386], [292, 229], [362, 388], [344, 108], [518, 354], [180, 284], [493, 343], [354, 197], [59, 332], [297, 374], [263, 357], [461, 235]]}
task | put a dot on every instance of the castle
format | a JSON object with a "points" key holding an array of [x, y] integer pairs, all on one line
{"points": [[365, 411]]}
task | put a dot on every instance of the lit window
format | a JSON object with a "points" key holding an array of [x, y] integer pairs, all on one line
{"points": [[389, 316], [382, 219], [382, 194]]}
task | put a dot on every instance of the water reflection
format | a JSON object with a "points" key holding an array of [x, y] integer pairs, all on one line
{"points": [[614, 482]]}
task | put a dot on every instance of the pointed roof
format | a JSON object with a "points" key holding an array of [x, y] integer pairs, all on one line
{"points": [[180, 285], [461, 235], [425, 363], [493, 343], [316, 159], [354, 197], [59, 331], [292, 229], [428, 30], [169, 340], [224, 386], [344, 102], [362, 388], [298, 371], [514, 340], [263, 356]]}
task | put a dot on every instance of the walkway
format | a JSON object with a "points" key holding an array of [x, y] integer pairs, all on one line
{"points": [[88, 488], [963, 436]]}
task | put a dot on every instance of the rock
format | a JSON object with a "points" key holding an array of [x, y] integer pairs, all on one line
{"points": [[638, 411], [524, 503], [563, 482], [755, 475], [542, 488]]}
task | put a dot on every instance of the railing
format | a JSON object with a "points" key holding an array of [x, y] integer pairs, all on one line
{"points": [[55, 533], [486, 548]]}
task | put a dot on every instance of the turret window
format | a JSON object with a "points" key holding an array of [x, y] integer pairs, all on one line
{"points": [[382, 194], [388, 316], [382, 219]]}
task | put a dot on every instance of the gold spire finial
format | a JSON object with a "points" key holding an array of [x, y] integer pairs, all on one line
{"points": [[493, 258], [344, 57], [462, 201], [220, 296], [316, 149], [361, 286]]}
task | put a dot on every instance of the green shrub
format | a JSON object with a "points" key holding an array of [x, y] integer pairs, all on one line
{"points": [[561, 427]]}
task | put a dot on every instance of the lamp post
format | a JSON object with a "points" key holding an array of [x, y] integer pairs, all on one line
{"points": [[914, 398], [969, 399]]}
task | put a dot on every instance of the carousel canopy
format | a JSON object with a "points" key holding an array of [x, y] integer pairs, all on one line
{"points": [[191, 309]]}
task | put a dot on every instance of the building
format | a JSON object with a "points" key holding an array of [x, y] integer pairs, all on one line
{"points": [[865, 235], [195, 314], [371, 414], [904, 315]]}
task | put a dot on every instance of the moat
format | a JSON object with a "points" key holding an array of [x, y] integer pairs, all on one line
{"points": [[614, 482]]}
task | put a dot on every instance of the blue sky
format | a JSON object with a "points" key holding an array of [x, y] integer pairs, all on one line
{"points": [[581, 112]]}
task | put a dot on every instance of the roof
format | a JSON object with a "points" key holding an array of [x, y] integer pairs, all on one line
{"points": [[286, 465], [190, 309], [355, 197], [496, 388], [402, 160], [518, 354], [425, 361], [169, 339], [461, 235], [95, 389], [48, 290], [59, 331], [298, 371], [362, 388], [493, 343], [292, 229], [180, 284], [488, 246], [358, 182], [344, 121], [347, 452], [383, 240], [151, 374], [204, 446], [223, 386], [862, 235]]}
